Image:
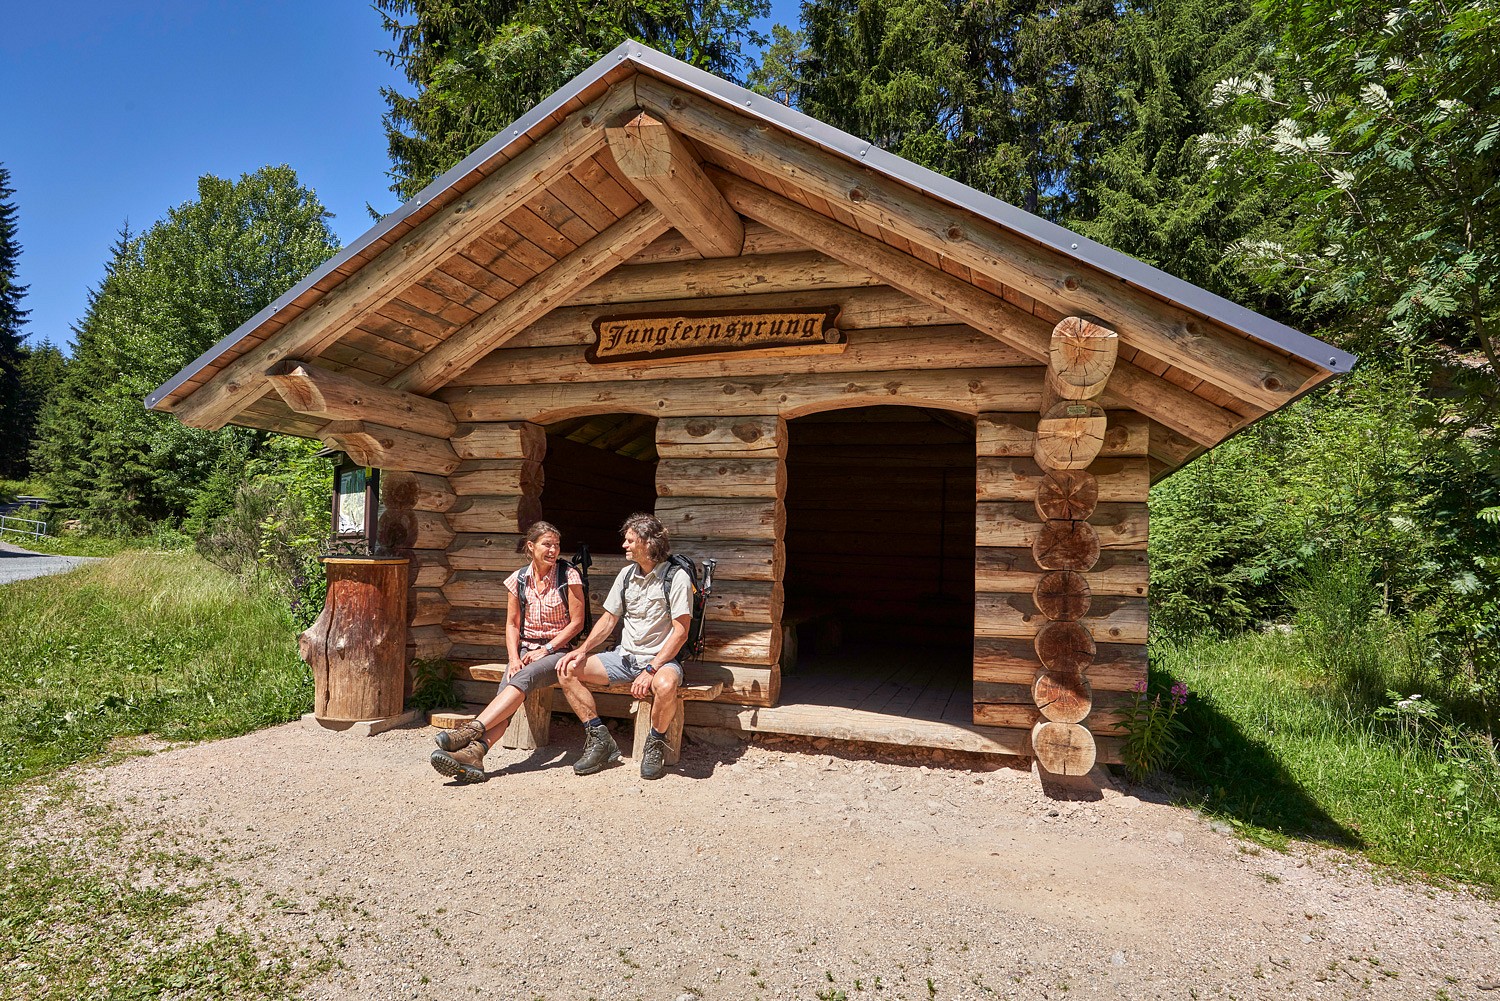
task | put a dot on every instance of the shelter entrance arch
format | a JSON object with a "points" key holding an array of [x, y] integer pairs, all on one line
{"points": [[598, 470], [880, 560]]}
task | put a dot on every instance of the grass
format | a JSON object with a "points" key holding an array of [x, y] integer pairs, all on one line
{"points": [[91, 908], [70, 544], [146, 642], [1284, 749]]}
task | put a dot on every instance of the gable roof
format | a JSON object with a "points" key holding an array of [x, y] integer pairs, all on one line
{"points": [[1204, 366]]}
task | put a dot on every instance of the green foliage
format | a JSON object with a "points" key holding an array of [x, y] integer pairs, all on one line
{"points": [[1152, 730], [1014, 98], [146, 642], [167, 296], [1282, 749], [1350, 471], [477, 67], [434, 685], [266, 520], [1380, 127], [1148, 192], [12, 351]]}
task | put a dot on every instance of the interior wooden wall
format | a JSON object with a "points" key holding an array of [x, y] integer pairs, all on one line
{"points": [[880, 523], [588, 492]]}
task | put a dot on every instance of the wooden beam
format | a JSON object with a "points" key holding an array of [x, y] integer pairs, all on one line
{"points": [[516, 182], [967, 391], [390, 448], [471, 342], [1236, 364], [333, 396], [666, 171], [799, 272], [1081, 357], [1172, 405]]}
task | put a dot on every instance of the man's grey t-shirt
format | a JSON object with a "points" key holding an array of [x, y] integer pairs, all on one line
{"points": [[643, 608]]}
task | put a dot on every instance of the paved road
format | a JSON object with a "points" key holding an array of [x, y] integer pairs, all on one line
{"points": [[22, 564]]}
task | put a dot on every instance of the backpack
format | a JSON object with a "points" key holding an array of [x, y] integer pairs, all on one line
{"points": [[692, 648], [580, 562]]}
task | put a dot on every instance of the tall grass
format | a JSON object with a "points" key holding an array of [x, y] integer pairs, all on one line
{"points": [[146, 642], [1294, 735]]}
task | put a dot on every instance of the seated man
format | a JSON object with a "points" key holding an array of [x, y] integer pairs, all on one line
{"points": [[655, 618]]}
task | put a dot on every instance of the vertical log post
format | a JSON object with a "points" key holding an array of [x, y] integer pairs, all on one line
{"points": [[357, 646]]}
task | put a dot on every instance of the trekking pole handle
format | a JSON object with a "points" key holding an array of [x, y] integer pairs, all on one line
{"points": [[708, 576]]}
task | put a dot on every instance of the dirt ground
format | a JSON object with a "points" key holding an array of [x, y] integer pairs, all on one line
{"points": [[779, 870]]}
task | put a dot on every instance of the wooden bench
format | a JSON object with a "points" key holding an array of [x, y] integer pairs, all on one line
{"points": [[531, 726]]}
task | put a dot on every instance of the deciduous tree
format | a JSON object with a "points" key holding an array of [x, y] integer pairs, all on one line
{"points": [[168, 295]]}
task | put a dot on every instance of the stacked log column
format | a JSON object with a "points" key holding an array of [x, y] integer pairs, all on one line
{"points": [[1061, 558], [721, 488]]}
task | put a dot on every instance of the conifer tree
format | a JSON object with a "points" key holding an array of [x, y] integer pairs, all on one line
{"points": [[479, 66], [12, 316]]}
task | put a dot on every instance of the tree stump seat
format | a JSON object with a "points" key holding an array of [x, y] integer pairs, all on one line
{"points": [[531, 726]]}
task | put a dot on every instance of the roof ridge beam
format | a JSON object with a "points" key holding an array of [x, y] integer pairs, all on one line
{"points": [[668, 173], [242, 382], [543, 293], [1227, 359], [1131, 386]]}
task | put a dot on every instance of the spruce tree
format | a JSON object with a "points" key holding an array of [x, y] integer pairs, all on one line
{"points": [[479, 66], [1150, 193], [1013, 98], [12, 316]]}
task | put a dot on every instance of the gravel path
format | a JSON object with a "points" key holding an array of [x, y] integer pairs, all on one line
{"points": [[779, 869], [22, 564]]}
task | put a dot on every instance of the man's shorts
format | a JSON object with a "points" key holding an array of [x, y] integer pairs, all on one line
{"points": [[621, 666]]}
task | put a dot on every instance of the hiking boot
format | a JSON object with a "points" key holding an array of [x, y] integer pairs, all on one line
{"points": [[465, 764], [654, 758], [460, 736], [599, 749]]}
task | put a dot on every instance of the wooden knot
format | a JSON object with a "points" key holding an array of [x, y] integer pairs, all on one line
{"points": [[955, 233], [856, 195], [677, 104], [1071, 283], [1271, 383]]}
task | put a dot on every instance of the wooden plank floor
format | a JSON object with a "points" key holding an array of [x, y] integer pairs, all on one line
{"points": [[899, 696]]}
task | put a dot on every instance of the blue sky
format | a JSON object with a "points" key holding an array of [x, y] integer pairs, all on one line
{"points": [[113, 110]]}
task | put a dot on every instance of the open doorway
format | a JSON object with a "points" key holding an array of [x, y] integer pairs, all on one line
{"points": [[880, 558], [597, 472]]}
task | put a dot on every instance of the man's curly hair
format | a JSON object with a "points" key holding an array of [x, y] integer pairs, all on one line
{"points": [[652, 532]]}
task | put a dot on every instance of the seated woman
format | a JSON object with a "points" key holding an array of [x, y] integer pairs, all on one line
{"points": [[534, 642]]}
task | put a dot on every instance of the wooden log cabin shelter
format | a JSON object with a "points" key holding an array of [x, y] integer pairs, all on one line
{"points": [[915, 425]]}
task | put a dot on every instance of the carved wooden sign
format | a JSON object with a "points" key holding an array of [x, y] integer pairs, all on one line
{"points": [[665, 337]]}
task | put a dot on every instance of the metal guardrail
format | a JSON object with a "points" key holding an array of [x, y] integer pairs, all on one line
{"points": [[37, 529]]}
